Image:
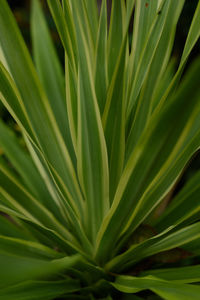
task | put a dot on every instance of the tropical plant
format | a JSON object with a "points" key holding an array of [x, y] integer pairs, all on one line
{"points": [[84, 201]]}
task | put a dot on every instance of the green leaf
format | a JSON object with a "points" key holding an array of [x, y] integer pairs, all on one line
{"points": [[183, 206], [155, 164], [65, 30], [155, 245], [48, 236], [92, 162], [192, 38], [157, 69], [116, 34], [11, 99], [19, 158], [144, 15], [70, 73], [81, 10], [16, 269], [11, 228], [25, 248], [163, 84], [73, 222], [193, 35], [17, 202], [101, 72], [22, 201], [72, 102], [113, 118], [40, 233], [22, 162], [114, 122], [165, 289], [188, 274], [3, 59], [107, 142], [37, 106], [92, 13], [167, 8], [50, 72], [40, 290]]}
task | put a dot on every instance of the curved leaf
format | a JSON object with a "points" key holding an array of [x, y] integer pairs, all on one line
{"points": [[166, 289]]}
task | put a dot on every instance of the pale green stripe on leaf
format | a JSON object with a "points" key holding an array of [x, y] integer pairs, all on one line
{"points": [[159, 243], [129, 9], [24, 202], [64, 27], [114, 122], [40, 290], [143, 18], [31, 269], [25, 248], [183, 206], [92, 153], [193, 35], [192, 38], [101, 63], [19, 158], [155, 163], [50, 72], [11, 148], [165, 289], [37, 105], [154, 76], [75, 224], [71, 98], [3, 59], [149, 49], [116, 34], [163, 84], [11, 99], [80, 13], [92, 13], [37, 230], [188, 274]]}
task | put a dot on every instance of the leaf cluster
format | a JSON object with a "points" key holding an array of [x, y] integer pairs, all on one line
{"points": [[106, 140]]}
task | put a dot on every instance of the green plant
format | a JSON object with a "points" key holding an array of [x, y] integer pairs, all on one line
{"points": [[105, 144]]}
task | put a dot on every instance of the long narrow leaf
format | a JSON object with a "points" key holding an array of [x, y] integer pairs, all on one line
{"points": [[150, 48], [166, 289], [40, 290], [29, 269], [50, 72], [183, 206], [114, 122], [65, 29], [101, 72], [92, 153], [155, 245], [151, 162], [156, 71], [116, 33], [37, 105], [188, 274], [26, 248]]}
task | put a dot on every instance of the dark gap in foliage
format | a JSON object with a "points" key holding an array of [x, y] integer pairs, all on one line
{"points": [[182, 31], [190, 169]]}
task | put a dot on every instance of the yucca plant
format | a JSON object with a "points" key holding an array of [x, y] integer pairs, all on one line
{"points": [[84, 200]]}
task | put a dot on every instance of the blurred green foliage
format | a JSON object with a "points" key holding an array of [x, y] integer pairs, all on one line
{"points": [[21, 10], [170, 258]]}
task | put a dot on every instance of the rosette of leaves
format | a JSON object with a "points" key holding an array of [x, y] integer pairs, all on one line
{"points": [[106, 138]]}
